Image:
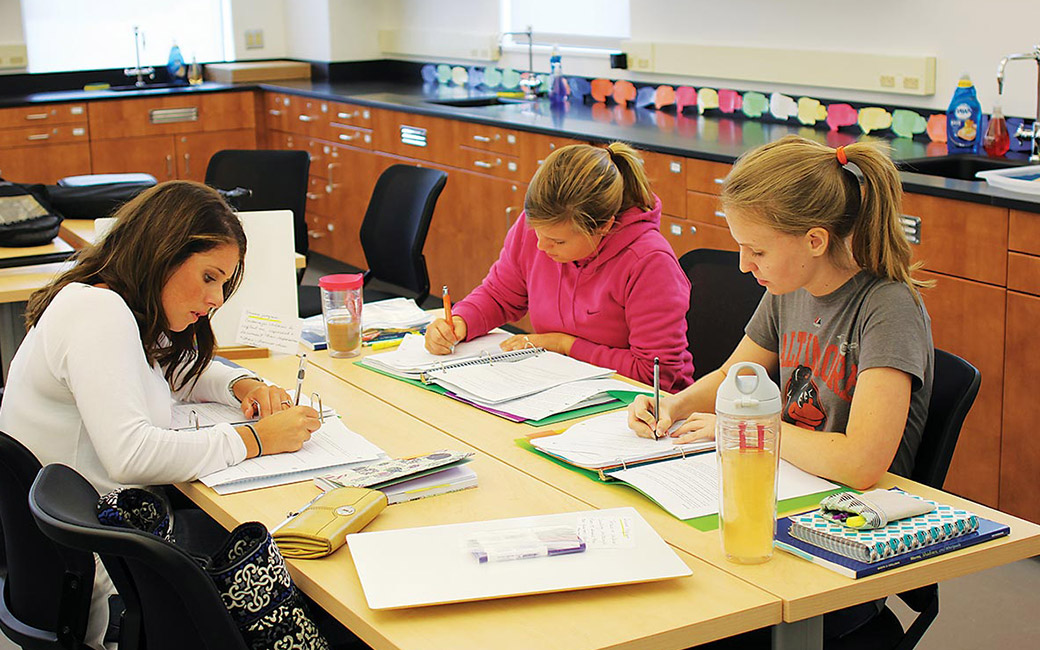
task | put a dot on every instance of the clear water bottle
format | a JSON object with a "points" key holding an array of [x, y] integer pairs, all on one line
{"points": [[747, 438], [559, 89], [341, 311]]}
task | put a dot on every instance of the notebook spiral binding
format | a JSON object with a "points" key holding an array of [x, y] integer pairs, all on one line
{"points": [[485, 359]]}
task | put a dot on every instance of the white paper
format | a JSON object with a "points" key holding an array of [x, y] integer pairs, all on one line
{"points": [[689, 487], [606, 440], [411, 358], [498, 382], [393, 313], [208, 414], [606, 531], [263, 330], [565, 397]]}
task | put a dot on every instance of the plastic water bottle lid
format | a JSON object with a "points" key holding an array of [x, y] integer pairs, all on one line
{"points": [[341, 281], [747, 395]]}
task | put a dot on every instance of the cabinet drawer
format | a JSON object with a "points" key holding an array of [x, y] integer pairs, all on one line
{"points": [[359, 116], [1024, 273], [308, 116], [43, 134], [276, 111], [686, 235], [350, 135], [317, 196], [489, 138], [415, 136], [967, 240], [706, 209], [667, 179], [47, 113], [490, 162], [705, 176], [535, 147], [173, 114], [1024, 232]]}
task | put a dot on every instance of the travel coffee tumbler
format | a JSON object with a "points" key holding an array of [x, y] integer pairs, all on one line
{"points": [[747, 438], [341, 310]]}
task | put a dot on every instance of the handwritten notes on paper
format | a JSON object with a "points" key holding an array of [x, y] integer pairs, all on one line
{"points": [[261, 330]]}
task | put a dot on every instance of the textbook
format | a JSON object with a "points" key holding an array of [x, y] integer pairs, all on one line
{"points": [[898, 537], [986, 531]]}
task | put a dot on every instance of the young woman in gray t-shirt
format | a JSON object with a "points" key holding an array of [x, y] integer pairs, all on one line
{"points": [[842, 323]]}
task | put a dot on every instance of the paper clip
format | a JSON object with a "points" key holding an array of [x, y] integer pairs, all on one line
{"points": [[316, 399], [193, 419]]}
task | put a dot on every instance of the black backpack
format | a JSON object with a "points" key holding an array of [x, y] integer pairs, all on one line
{"points": [[26, 216]]}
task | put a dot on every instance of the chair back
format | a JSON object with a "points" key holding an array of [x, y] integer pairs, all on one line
{"points": [[955, 383], [170, 602], [276, 180], [396, 222], [44, 587], [722, 301]]}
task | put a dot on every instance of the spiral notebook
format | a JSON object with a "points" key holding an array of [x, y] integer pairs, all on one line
{"points": [[898, 537]]}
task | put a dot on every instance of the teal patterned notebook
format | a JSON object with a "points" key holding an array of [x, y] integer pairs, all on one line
{"points": [[896, 538]]}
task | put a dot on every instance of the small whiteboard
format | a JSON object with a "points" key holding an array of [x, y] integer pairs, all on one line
{"points": [[269, 283], [431, 565]]}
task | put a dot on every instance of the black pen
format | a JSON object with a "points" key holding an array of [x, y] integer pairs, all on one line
{"points": [[657, 393], [299, 377]]}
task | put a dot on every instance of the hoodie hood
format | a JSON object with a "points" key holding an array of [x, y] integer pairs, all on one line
{"points": [[629, 226]]}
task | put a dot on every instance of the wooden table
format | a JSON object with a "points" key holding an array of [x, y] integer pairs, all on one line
{"points": [[670, 614], [807, 591], [80, 233]]}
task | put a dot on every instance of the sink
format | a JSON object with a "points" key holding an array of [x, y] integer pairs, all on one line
{"points": [[475, 101], [962, 166], [146, 87]]}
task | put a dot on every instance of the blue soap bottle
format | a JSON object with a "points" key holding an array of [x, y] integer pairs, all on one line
{"points": [[175, 66], [963, 118], [559, 90]]}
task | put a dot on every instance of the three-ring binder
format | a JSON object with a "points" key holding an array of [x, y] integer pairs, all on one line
{"points": [[485, 359]]}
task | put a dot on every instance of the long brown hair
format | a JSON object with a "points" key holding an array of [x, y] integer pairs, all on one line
{"points": [[793, 185], [587, 185], [153, 235]]}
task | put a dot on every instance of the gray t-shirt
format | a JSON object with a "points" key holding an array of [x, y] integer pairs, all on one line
{"points": [[824, 342]]}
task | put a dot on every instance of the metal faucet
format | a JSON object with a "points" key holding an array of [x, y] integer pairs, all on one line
{"points": [[529, 81], [1023, 132], [139, 72]]}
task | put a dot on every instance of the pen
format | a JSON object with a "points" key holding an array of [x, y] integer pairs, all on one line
{"points": [[447, 311], [299, 377], [657, 393]]}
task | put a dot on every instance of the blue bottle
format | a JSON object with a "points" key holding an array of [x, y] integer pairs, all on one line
{"points": [[963, 118], [559, 90], [175, 66]]}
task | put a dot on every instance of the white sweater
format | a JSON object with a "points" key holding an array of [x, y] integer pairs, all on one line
{"points": [[81, 392]]}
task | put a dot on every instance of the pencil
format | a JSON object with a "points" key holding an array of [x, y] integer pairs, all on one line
{"points": [[657, 393], [447, 304]]}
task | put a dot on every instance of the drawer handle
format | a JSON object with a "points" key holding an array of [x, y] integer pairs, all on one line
{"points": [[169, 166], [313, 234], [720, 214], [187, 164], [312, 196], [347, 116], [719, 181], [37, 116], [481, 138], [306, 118], [486, 165], [693, 230], [274, 111], [39, 136], [347, 138]]}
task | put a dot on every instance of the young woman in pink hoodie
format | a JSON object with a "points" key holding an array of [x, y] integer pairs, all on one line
{"points": [[587, 260]]}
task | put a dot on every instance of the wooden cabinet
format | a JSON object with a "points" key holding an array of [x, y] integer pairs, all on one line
{"points": [[667, 176], [169, 137], [534, 147], [419, 137], [967, 240], [40, 144], [1020, 448]]}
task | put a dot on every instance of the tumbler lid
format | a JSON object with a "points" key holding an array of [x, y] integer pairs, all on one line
{"points": [[341, 281], [747, 395]]}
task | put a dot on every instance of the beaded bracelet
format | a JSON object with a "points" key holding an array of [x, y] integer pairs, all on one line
{"points": [[256, 436]]}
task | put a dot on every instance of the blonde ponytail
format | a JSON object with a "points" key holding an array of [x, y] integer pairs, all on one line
{"points": [[794, 185]]}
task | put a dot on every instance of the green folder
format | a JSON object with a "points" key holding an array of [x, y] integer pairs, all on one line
{"points": [[704, 523]]}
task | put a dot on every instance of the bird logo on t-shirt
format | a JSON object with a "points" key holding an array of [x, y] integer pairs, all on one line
{"points": [[803, 406]]}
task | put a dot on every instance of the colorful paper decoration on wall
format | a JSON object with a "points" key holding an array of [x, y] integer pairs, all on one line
{"points": [[907, 123], [646, 96], [443, 73], [492, 77], [664, 96], [839, 115], [624, 91], [782, 107], [707, 98], [937, 127], [459, 75], [874, 118], [580, 88], [510, 79], [811, 111], [601, 89], [684, 96], [754, 104], [429, 73], [730, 101]]}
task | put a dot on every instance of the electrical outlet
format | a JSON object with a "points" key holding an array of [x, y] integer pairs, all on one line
{"points": [[254, 39], [887, 81], [642, 63], [911, 83]]}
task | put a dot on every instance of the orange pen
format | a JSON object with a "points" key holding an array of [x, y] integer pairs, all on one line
{"points": [[447, 309]]}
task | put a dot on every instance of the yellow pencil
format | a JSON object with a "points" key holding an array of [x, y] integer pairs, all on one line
{"points": [[386, 345]]}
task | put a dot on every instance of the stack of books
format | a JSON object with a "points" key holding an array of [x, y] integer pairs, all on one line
{"points": [[407, 479], [385, 321]]}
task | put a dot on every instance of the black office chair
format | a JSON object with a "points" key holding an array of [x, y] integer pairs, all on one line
{"points": [[272, 180], [45, 587], [954, 387], [170, 602], [394, 231], [722, 300]]}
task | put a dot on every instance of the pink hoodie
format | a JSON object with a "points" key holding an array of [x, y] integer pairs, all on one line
{"points": [[626, 304]]}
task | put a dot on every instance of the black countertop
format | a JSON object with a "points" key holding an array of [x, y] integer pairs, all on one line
{"points": [[715, 138]]}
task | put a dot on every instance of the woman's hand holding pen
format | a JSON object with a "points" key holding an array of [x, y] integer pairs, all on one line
{"points": [[552, 341], [283, 431], [641, 419], [442, 338], [259, 399]]}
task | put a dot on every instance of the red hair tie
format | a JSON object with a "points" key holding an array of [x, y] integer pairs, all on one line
{"points": [[842, 158]]}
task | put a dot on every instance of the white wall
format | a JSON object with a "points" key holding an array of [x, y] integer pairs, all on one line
{"points": [[354, 26], [265, 15], [307, 30]]}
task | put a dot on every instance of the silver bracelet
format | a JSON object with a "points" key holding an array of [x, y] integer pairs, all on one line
{"points": [[231, 384], [256, 436]]}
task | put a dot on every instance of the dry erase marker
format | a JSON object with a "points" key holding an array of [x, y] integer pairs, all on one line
{"points": [[299, 377], [657, 393]]}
